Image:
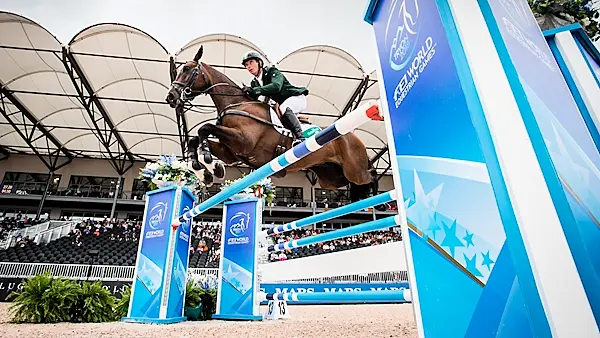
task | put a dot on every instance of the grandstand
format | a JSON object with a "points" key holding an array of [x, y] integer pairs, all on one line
{"points": [[79, 118]]}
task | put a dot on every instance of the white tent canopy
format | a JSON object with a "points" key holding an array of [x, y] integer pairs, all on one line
{"points": [[102, 95]]}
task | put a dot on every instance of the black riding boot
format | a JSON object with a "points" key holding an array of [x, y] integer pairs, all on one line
{"points": [[291, 122]]}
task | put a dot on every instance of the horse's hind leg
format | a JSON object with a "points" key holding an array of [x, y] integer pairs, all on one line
{"points": [[355, 163], [354, 160]]}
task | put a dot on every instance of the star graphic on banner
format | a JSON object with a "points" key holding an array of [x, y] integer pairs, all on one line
{"points": [[407, 203], [423, 208], [229, 274], [469, 239], [487, 261], [451, 241], [434, 225], [472, 265]]}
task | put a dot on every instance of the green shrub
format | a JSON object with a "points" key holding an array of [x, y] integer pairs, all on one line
{"points": [[192, 294], [44, 299], [196, 295], [96, 303], [122, 305]]}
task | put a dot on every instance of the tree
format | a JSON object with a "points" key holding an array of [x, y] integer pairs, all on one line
{"points": [[556, 13]]}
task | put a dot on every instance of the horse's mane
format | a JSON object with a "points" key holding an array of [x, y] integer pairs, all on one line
{"points": [[222, 76]]}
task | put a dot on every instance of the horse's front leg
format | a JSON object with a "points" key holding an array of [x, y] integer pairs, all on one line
{"points": [[230, 140], [204, 166]]}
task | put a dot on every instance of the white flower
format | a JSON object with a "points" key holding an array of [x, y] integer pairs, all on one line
{"points": [[585, 22], [152, 166], [179, 165]]}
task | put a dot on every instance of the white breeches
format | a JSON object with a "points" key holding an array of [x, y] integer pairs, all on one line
{"points": [[296, 103]]}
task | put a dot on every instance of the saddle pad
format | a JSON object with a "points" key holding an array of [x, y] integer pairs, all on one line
{"points": [[308, 129]]}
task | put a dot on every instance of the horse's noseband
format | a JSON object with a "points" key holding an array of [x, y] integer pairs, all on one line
{"points": [[185, 89]]}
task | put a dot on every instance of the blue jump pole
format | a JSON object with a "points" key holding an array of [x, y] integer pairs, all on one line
{"points": [[350, 231], [337, 212], [361, 115], [353, 297]]}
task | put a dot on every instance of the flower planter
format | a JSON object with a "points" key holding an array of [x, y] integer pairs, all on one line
{"points": [[194, 313]]}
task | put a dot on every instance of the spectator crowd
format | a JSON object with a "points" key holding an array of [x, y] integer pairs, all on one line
{"points": [[17, 222], [205, 240]]}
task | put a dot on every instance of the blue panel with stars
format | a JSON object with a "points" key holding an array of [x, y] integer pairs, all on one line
{"points": [[557, 129], [457, 288], [453, 204], [238, 282], [446, 161], [152, 254]]}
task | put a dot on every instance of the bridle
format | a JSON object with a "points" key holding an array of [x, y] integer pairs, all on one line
{"points": [[186, 92]]}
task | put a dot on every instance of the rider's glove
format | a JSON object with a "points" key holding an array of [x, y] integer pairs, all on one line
{"points": [[247, 90]]}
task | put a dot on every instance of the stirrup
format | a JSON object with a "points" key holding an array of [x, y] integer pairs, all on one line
{"points": [[297, 141]]}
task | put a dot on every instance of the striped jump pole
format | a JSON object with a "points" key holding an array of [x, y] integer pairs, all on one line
{"points": [[350, 231], [356, 118], [347, 209], [351, 297]]}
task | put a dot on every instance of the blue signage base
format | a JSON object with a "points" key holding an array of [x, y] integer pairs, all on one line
{"points": [[238, 287], [237, 317], [154, 321], [159, 282]]}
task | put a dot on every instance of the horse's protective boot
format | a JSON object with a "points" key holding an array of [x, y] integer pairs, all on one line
{"points": [[291, 122]]}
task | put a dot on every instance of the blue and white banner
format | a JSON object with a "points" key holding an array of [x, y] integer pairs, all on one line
{"points": [[237, 288], [180, 257], [329, 288], [574, 174], [456, 236], [152, 255]]}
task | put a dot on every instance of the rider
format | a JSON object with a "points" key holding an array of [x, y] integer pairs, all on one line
{"points": [[268, 81]]}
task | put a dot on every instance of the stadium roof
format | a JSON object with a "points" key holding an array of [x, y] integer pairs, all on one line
{"points": [[102, 95]]}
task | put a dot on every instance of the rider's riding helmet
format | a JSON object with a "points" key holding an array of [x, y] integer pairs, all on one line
{"points": [[252, 55]]}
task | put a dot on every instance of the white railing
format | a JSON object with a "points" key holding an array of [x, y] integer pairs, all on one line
{"points": [[24, 270], [125, 273], [31, 231], [53, 233], [379, 277]]}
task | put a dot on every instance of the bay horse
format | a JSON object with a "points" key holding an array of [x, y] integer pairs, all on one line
{"points": [[245, 133]]}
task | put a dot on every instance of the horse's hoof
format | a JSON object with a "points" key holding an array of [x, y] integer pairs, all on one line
{"points": [[208, 178], [207, 158], [219, 171], [196, 165]]}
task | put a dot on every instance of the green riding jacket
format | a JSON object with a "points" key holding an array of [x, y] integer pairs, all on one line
{"points": [[275, 86]]}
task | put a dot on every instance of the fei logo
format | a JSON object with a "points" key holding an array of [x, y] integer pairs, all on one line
{"points": [[520, 23], [520, 12], [403, 32], [158, 214], [238, 223]]}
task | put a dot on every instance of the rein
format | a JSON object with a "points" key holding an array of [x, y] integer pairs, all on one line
{"points": [[187, 94]]}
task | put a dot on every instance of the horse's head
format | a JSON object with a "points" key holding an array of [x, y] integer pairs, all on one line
{"points": [[187, 84]]}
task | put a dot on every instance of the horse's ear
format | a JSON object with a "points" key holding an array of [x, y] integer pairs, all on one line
{"points": [[199, 54], [173, 70]]}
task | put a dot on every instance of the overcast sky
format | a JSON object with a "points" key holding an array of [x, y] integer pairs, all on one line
{"points": [[278, 27]]}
